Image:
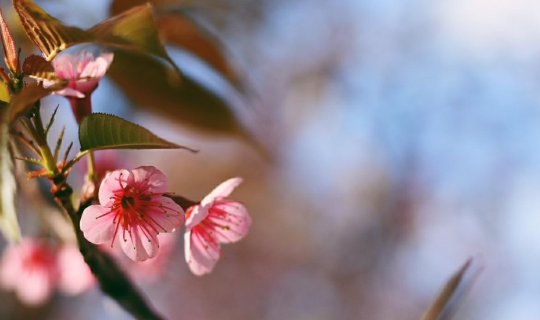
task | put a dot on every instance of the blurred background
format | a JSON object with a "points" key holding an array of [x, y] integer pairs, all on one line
{"points": [[384, 143]]}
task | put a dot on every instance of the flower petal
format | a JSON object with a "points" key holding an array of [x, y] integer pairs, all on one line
{"points": [[140, 244], [166, 217], [111, 184], [231, 221], [65, 66], [35, 287], [195, 214], [75, 275], [221, 191], [150, 177], [69, 92], [201, 251], [98, 67], [96, 225]]}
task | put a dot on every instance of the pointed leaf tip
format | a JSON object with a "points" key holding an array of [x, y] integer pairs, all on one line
{"points": [[10, 51], [448, 292]]}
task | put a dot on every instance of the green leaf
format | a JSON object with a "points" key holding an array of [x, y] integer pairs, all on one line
{"points": [[8, 216], [178, 28], [442, 302], [133, 30], [105, 131], [185, 101]]}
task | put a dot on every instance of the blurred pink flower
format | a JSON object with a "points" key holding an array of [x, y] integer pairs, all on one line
{"points": [[213, 221], [75, 275], [132, 204], [82, 73], [33, 269], [29, 269]]}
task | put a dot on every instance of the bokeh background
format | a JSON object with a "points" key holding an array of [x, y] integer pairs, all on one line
{"points": [[398, 139]]}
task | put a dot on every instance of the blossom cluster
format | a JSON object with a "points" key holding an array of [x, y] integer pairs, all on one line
{"points": [[134, 208]]}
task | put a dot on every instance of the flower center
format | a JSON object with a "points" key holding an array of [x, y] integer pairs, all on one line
{"points": [[135, 208], [127, 202]]}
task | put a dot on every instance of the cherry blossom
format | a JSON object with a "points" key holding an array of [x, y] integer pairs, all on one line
{"points": [[213, 221], [132, 212], [82, 73], [30, 270], [75, 275], [34, 268]]}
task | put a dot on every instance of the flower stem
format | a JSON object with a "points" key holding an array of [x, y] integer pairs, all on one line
{"points": [[92, 177]]}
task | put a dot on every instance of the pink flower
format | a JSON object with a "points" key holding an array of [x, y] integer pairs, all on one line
{"points": [[29, 269], [132, 212], [34, 268], [75, 275], [82, 73], [213, 221]]}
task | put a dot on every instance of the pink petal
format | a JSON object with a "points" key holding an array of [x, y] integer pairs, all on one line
{"points": [[197, 213], [140, 244], [35, 287], [151, 177], [110, 184], [64, 66], [201, 252], [85, 86], [168, 216], [97, 226], [231, 219], [75, 275], [98, 67], [152, 270], [221, 191], [68, 92]]}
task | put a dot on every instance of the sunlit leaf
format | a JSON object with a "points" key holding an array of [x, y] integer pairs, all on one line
{"points": [[4, 92], [47, 32], [440, 305], [105, 131], [185, 100], [38, 68], [135, 30], [179, 29], [11, 56], [8, 216]]}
